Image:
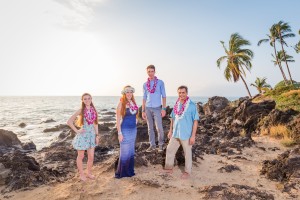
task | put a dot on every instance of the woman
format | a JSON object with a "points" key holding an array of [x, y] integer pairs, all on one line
{"points": [[127, 111], [87, 136]]}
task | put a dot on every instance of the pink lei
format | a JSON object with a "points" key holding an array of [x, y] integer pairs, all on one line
{"points": [[154, 86], [90, 115], [132, 107], [179, 113]]}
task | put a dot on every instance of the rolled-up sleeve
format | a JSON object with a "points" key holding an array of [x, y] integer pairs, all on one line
{"points": [[163, 90], [195, 114], [144, 92], [172, 114]]}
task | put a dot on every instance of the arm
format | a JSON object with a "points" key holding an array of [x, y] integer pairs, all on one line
{"points": [[144, 102], [163, 111], [70, 122], [144, 109], [118, 121], [97, 131], [171, 129], [193, 137], [164, 99]]}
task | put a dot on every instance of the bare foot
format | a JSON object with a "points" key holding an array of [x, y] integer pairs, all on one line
{"points": [[90, 176], [82, 177], [185, 175]]}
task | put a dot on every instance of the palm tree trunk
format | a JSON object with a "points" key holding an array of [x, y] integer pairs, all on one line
{"points": [[287, 66], [246, 86], [279, 65]]}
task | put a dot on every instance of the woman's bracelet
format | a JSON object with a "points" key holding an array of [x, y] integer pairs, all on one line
{"points": [[120, 133]]}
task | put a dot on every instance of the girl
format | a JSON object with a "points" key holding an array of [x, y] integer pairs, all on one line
{"points": [[127, 111], [87, 136]]}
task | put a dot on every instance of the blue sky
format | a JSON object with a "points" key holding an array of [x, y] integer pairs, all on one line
{"points": [[60, 47]]}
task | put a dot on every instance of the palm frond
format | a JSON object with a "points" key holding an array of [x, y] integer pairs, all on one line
{"points": [[220, 60], [262, 41]]}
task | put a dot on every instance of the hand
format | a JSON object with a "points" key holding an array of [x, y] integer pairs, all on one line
{"points": [[192, 140], [80, 131], [170, 134], [121, 138], [144, 115], [163, 113]]}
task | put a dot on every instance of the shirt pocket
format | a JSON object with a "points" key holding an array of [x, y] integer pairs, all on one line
{"points": [[189, 115]]}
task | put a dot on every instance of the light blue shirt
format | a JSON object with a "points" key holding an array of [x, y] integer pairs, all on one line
{"points": [[182, 128], [153, 100]]}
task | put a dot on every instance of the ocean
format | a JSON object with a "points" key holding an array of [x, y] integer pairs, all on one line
{"points": [[33, 111]]}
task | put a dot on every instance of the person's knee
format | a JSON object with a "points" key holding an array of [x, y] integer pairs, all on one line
{"points": [[160, 131], [80, 156], [169, 151]]}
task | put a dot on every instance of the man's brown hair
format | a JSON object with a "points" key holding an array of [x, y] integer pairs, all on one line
{"points": [[151, 67], [183, 87]]}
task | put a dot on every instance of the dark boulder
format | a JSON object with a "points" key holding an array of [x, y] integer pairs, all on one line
{"points": [[22, 125], [250, 114], [48, 121], [59, 127], [8, 139], [285, 169], [215, 104], [29, 146], [234, 191]]}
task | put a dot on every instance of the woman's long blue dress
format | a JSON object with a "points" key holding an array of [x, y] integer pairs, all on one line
{"points": [[127, 146]]}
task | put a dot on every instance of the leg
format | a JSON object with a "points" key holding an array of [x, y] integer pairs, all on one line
{"points": [[158, 124], [170, 153], [149, 114], [187, 148], [80, 156], [90, 162]]}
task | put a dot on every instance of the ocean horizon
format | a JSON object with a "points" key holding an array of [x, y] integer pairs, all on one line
{"points": [[35, 110]]}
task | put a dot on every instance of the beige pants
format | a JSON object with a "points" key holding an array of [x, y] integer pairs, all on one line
{"points": [[172, 148]]}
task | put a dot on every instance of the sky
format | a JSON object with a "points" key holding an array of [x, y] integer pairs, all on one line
{"points": [[68, 47]]}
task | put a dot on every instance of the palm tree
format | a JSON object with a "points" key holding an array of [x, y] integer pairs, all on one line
{"points": [[260, 84], [297, 46], [280, 58], [283, 30], [237, 59], [272, 37]]}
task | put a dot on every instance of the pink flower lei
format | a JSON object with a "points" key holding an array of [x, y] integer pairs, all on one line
{"points": [[176, 107], [154, 86], [132, 107], [90, 115]]}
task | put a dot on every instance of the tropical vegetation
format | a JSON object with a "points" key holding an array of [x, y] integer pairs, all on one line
{"points": [[237, 58]]}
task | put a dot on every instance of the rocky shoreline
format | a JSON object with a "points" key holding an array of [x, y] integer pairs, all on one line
{"points": [[225, 129]]}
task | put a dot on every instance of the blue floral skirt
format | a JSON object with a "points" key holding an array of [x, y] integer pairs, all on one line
{"points": [[84, 141]]}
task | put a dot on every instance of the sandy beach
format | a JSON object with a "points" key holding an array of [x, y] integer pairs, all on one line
{"points": [[151, 183]]}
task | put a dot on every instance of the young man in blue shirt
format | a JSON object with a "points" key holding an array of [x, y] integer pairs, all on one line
{"points": [[183, 127], [154, 107]]}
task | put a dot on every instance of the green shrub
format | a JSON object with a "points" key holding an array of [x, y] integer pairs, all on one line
{"points": [[286, 97], [282, 84]]}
